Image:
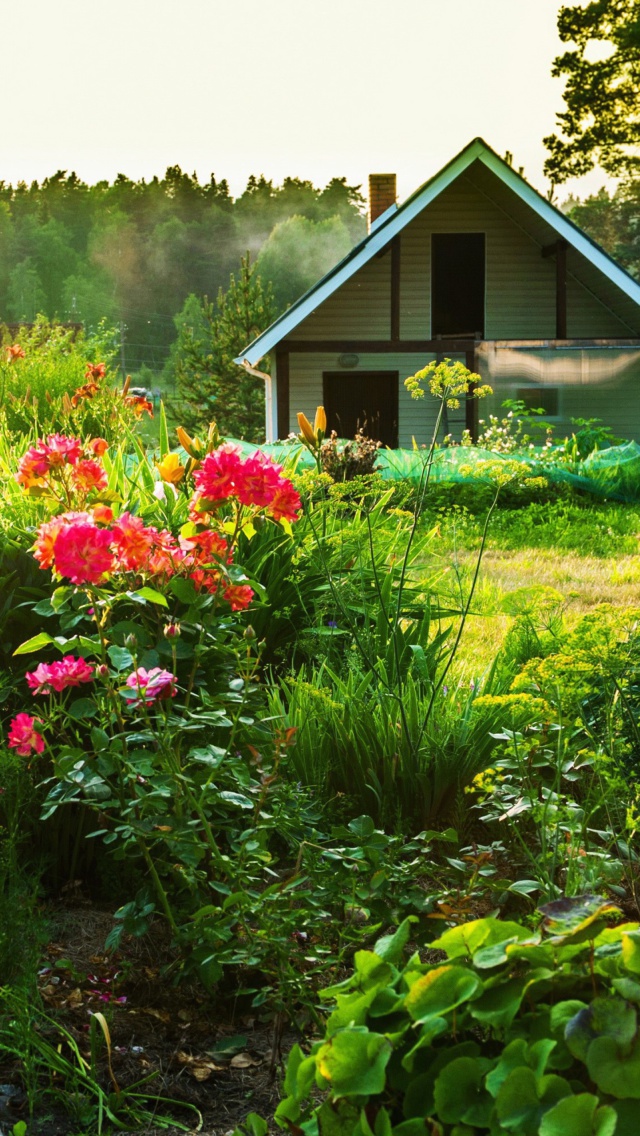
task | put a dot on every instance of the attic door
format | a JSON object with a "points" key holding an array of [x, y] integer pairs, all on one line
{"points": [[366, 401], [457, 284]]}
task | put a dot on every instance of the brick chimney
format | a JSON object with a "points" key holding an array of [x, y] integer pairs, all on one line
{"points": [[382, 194]]}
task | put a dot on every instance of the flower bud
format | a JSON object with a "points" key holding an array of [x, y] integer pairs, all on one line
{"points": [[320, 423], [172, 631], [131, 642], [249, 633], [306, 430], [102, 670]]}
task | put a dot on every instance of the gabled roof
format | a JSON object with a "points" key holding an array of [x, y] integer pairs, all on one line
{"points": [[395, 220]]}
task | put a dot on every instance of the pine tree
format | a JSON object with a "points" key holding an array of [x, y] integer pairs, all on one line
{"points": [[210, 386]]}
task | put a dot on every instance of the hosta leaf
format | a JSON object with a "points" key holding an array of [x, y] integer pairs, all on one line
{"points": [[631, 951], [459, 1094], [354, 1062], [390, 947], [613, 1072], [605, 1017], [468, 938], [439, 991], [578, 1116], [524, 1098], [577, 919]]}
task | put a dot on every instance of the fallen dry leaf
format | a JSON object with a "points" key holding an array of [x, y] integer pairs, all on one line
{"points": [[244, 1061], [161, 1015], [198, 1067]]}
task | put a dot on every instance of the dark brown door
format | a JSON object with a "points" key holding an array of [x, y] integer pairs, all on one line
{"points": [[365, 401], [457, 284]]}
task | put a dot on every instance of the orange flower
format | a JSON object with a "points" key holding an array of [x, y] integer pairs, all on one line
{"points": [[98, 446], [14, 352], [95, 371], [102, 514], [139, 404]]}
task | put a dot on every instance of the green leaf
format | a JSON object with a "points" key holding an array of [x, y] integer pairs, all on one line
{"points": [[466, 939], [390, 947], [338, 1118], [439, 991], [151, 596], [578, 1116], [627, 1116], [611, 1071], [524, 1098], [362, 827], [163, 433], [299, 1074], [630, 950], [184, 590], [36, 643], [459, 1094], [605, 1017], [577, 919], [121, 659], [236, 799], [353, 1062], [499, 1004], [81, 709]]}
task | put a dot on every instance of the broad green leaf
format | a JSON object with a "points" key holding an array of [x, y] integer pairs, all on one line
{"points": [[351, 1010], [299, 1074], [81, 709], [390, 947], [524, 1098], [498, 1005], [611, 1071], [338, 1118], [121, 659], [184, 590], [362, 826], [236, 799], [371, 971], [578, 919], [627, 988], [151, 596], [605, 1017], [488, 957], [36, 643], [578, 1116], [459, 1094], [439, 991], [630, 950], [627, 1116], [470, 937], [353, 1062]]}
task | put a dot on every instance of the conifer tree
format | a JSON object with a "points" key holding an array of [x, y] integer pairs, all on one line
{"points": [[210, 335]]}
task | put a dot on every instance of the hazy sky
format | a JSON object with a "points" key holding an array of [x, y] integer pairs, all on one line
{"points": [[280, 87]]}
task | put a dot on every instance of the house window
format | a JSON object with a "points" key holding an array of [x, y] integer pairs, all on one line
{"points": [[540, 398], [365, 401], [457, 284]]}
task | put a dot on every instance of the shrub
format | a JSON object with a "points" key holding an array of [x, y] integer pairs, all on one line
{"points": [[514, 1032]]}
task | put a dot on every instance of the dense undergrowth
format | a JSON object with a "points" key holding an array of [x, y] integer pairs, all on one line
{"points": [[243, 706]]}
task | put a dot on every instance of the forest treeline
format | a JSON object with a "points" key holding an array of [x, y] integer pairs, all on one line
{"points": [[131, 253], [186, 274]]}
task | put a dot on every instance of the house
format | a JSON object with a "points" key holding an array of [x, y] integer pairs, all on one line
{"points": [[477, 266]]}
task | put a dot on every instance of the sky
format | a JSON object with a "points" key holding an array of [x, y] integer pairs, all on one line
{"points": [[336, 88]]}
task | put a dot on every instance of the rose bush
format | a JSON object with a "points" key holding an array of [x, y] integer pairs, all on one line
{"points": [[150, 717]]}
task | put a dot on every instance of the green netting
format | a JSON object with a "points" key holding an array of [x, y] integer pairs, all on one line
{"points": [[612, 472]]}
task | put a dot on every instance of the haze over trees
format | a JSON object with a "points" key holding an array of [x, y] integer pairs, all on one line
{"points": [[131, 253]]}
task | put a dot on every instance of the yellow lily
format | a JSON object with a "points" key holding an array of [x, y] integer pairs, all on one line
{"points": [[170, 469]]}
